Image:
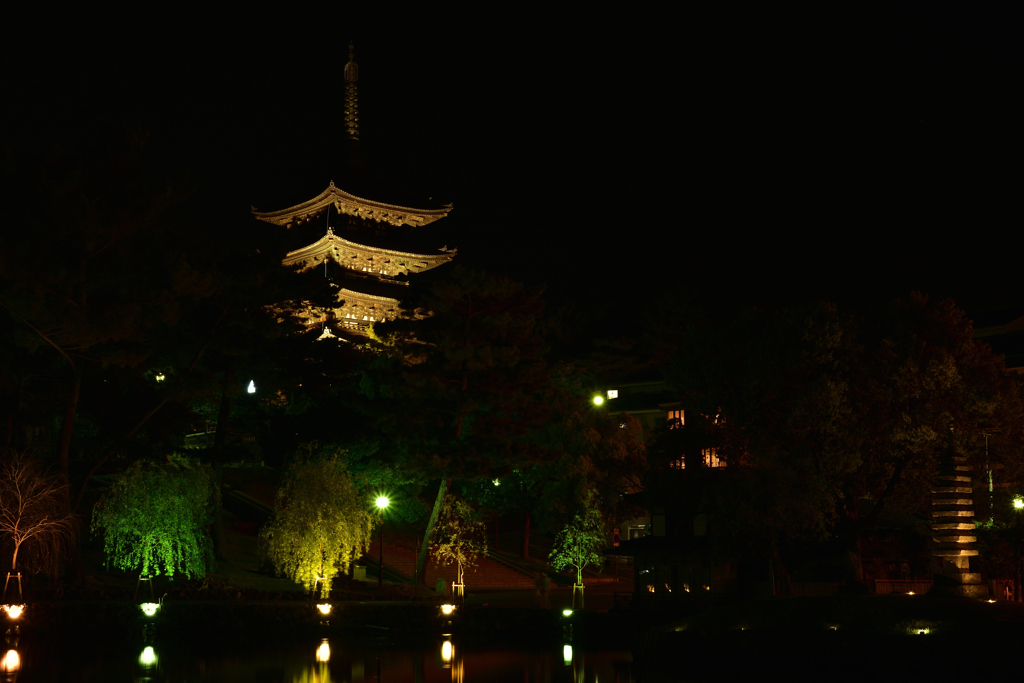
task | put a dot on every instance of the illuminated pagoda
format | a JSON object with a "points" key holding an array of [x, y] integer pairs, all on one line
{"points": [[374, 245], [953, 527]]}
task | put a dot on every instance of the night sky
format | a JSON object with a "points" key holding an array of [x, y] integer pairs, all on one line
{"points": [[743, 158]]}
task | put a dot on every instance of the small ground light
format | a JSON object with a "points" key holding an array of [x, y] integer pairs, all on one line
{"points": [[324, 608], [323, 653], [149, 608], [13, 611], [447, 609], [446, 650], [11, 661], [148, 657], [921, 631], [567, 613], [567, 654]]}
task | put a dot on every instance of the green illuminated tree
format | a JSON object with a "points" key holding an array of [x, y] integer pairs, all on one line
{"points": [[459, 536], [321, 524], [154, 518], [577, 544]]}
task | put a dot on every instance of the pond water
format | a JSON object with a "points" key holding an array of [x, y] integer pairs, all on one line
{"points": [[327, 660]]}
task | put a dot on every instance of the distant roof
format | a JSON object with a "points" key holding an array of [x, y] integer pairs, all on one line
{"points": [[352, 205]]}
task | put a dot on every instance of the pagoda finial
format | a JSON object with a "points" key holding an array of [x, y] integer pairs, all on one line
{"points": [[352, 95]]}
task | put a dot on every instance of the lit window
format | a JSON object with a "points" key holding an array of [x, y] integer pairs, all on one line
{"points": [[675, 419], [711, 459], [613, 393]]}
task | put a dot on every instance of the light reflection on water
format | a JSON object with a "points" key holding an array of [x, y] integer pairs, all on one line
{"points": [[327, 661]]}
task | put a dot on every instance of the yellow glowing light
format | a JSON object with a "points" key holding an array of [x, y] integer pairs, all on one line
{"points": [[148, 657], [567, 613], [323, 653], [567, 654], [13, 611], [160, 377], [990, 601], [598, 400], [382, 502], [446, 650], [1018, 502], [324, 608], [921, 631], [447, 609], [149, 608], [252, 386], [910, 592], [497, 482], [11, 661]]}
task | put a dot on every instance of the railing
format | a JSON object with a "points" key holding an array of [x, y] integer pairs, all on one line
{"points": [[917, 586]]}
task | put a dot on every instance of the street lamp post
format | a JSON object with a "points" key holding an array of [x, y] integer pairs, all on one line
{"points": [[382, 503], [1018, 506]]}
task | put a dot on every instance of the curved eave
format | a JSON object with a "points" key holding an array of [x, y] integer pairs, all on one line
{"points": [[350, 205], [352, 295], [360, 257]]}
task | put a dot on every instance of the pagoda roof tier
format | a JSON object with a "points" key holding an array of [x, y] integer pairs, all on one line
{"points": [[351, 205], [385, 263]]}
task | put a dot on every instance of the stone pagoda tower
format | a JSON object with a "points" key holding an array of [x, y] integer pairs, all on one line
{"points": [[953, 527], [367, 247]]}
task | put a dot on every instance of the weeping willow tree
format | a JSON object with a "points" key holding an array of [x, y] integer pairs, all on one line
{"points": [[321, 525], [154, 518], [459, 537]]}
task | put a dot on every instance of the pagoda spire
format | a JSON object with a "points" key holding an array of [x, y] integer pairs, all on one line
{"points": [[352, 96]]}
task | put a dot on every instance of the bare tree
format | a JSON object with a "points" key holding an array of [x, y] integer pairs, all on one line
{"points": [[34, 513]]}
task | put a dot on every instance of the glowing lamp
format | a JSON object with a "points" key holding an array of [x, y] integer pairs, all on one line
{"points": [[921, 631], [567, 613], [567, 654], [382, 502], [910, 592], [598, 400], [324, 608], [1018, 503], [252, 386], [149, 608], [446, 650], [148, 657], [11, 661], [497, 482], [447, 609], [13, 611], [323, 653], [161, 377]]}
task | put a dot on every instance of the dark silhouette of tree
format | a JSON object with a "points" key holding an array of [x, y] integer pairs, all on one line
{"points": [[460, 396], [822, 407]]}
